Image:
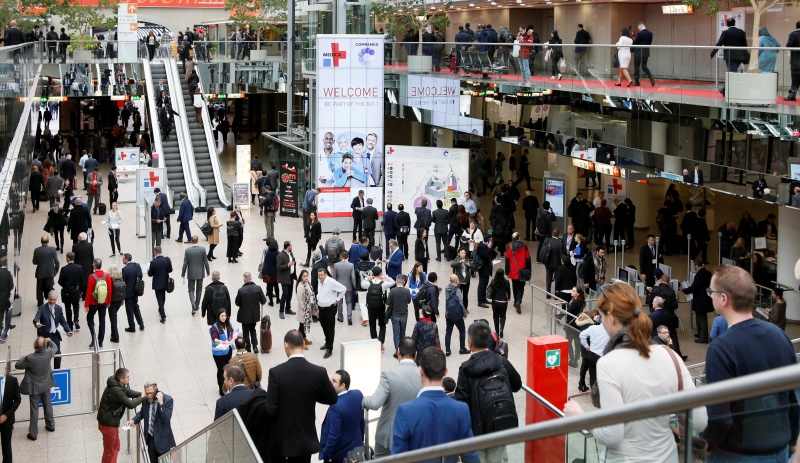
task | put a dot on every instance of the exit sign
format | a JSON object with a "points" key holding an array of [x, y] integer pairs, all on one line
{"points": [[136, 97]]}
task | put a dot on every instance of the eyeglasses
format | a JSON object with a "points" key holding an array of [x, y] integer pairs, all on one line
{"points": [[710, 292]]}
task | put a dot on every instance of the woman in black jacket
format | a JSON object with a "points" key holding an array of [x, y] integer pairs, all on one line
{"points": [[269, 272], [499, 291], [234, 229], [421, 254], [314, 235], [575, 307], [565, 277], [555, 54], [56, 222]]}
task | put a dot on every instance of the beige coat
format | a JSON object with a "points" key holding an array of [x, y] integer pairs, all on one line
{"points": [[213, 238], [301, 298]]}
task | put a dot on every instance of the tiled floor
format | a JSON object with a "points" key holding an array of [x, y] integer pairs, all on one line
{"points": [[177, 354]]}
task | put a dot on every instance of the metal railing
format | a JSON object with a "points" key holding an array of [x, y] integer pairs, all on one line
{"points": [[759, 384], [226, 439]]}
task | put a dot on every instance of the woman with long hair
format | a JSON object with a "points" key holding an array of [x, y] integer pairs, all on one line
{"points": [[499, 291], [307, 305], [421, 254], [113, 222], [575, 307], [624, 56], [747, 228], [269, 272], [221, 331], [555, 54], [314, 235], [658, 372], [416, 278], [740, 255], [213, 238], [116, 301], [150, 42], [234, 228]]}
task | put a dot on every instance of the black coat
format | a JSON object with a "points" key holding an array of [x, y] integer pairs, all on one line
{"points": [[646, 266], [13, 37], [701, 302], [402, 219], [73, 278], [11, 401], [205, 306], [249, 299], [314, 233], [160, 268], [732, 37], [231, 400], [643, 37], [80, 221], [130, 272], [794, 55], [84, 256], [357, 203], [531, 206], [370, 217]]}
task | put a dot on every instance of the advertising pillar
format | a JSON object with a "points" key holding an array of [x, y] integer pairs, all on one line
{"points": [[555, 184], [289, 196], [349, 124], [547, 376], [147, 180]]}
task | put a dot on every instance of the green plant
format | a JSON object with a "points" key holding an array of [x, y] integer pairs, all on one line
{"points": [[402, 15], [81, 18], [82, 42]]}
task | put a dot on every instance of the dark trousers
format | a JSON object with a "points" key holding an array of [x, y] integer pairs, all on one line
{"points": [[161, 297], [542, 239], [702, 325], [221, 361], [286, 297], [523, 175], [795, 82], [56, 338], [169, 226], [530, 228], [451, 232], [185, 228], [589, 364], [250, 336], [300, 459], [273, 292], [629, 230], [113, 196], [402, 241], [72, 309], [548, 278], [358, 229], [43, 288], [112, 318], [483, 282], [101, 332], [638, 61], [6, 430], [370, 232], [377, 316], [518, 288], [327, 320], [113, 236], [59, 234], [151, 444], [499, 310], [132, 311], [441, 239], [462, 334], [465, 293]]}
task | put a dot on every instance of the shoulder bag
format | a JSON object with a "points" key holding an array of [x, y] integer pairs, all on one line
{"points": [[253, 384]]}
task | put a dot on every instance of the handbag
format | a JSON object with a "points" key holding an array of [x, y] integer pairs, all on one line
{"points": [[170, 285], [261, 264], [584, 319], [253, 384], [547, 55], [562, 66], [523, 274], [615, 60]]}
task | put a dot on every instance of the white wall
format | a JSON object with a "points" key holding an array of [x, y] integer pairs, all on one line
{"points": [[788, 254]]}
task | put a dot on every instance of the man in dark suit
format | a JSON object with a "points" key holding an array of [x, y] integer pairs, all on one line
{"points": [[113, 184], [767, 227], [701, 301], [237, 391], [441, 220], [72, 280], [642, 54], [195, 259], [45, 258], [387, 222], [185, 215], [369, 218], [295, 387], [648, 262], [80, 220], [84, 255], [37, 383], [357, 206], [156, 416], [343, 427], [287, 272], [530, 204], [14, 36], [157, 221], [412, 429], [47, 320], [166, 211], [160, 268], [10, 403], [208, 306], [402, 225], [697, 175], [131, 273], [249, 299], [6, 299], [732, 37]]}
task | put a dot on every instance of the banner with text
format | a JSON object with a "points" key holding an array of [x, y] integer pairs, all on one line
{"points": [[434, 93], [417, 173], [350, 121], [148, 179], [289, 194]]}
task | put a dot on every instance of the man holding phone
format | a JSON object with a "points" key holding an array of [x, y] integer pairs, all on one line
{"points": [[156, 414]]}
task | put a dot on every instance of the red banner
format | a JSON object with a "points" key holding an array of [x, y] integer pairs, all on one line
{"points": [[164, 3]]}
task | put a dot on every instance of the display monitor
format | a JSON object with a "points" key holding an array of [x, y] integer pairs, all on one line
{"points": [[794, 171], [622, 274], [633, 275], [760, 243], [554, 193]]}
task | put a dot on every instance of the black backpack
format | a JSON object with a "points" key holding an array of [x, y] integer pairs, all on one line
{"points": [[545, 253], [543, 225], [119, 290], [422, 296], [376, 298], [477, 260], [493, 407], [218, 300], [269, 202]]}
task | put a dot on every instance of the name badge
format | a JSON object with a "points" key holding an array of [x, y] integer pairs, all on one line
{"points": [[654, 262]]}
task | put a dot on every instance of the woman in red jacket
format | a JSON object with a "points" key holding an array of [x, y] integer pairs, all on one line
{"points": [[525, 54]]}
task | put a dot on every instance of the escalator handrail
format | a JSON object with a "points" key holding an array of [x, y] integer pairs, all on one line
{"points": [[219, 179], [158, 147]]}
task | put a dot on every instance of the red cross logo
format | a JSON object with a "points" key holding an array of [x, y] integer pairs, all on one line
{"points": [[391, 150], [616, 187], [152, 180], [122, 155], [337, 54]]}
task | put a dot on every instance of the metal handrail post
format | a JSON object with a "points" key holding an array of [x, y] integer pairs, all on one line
{"points": [[95, 374]]}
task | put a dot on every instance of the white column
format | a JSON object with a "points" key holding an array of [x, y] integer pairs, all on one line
{"points": [[658, 144], [788, 254]]}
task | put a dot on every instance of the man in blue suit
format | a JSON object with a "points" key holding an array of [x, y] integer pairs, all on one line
{"points": [[131, 273], [343, 428], [412, 425], [47, 320], [166, 210], [394, 263], [388, 225], [356, 250], [237, 391], [156, 416], [185, 214], [160, 268]]}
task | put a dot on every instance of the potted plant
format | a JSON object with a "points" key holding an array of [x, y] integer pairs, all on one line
{"points": [[82, 48], [402, 15], [258, 17]]}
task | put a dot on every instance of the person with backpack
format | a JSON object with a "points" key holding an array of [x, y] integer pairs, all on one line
{"points": [[334, 247], [544, 226], [375, 298], [486, 383], [215, 299], [462, 268], [455, 314], [118, 290], [518, 268], [99, 291], [268, 203]]}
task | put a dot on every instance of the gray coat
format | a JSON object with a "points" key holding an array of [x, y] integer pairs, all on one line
{"points": [[54, 184], [195, 259], [370, 217], [45, 259], [440, 220], [38, 374], [398, 386], [249, 299], [284, 270], [344, 273]]}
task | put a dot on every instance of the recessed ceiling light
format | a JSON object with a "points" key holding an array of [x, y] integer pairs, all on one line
{"points": [[471, 5], [494, 3]]}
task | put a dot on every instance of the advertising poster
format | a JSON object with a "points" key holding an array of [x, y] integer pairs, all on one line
{"points": [[289, 194], [414, 173], [554, 192], [127, 158], [433, 93], [589, 154], [349, 122], [148, 179], [243, 163], [241, 194]]}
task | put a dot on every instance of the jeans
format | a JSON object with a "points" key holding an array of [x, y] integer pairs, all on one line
{"points": [[377, 316], [719, 456], [101, 332], [462, 333], [250, 336], [195, 291], [161, 296], [399, 328], [524, 64]]}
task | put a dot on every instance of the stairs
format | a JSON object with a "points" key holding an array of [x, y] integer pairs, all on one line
{"points": [[202, 157], [171, 154]]}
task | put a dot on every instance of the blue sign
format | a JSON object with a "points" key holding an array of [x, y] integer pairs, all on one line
{"points": [[61, 393]]}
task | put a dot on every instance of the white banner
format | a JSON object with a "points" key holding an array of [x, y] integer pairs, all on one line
{"points": [[349, 122], [414, 173], [434, 94], [148, 179], [127, 158], [590, 154]]}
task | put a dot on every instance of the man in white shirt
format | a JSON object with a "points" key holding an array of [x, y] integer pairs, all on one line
{"points": [[329, 293], [594, 340], [469, 204], [599, 198]]}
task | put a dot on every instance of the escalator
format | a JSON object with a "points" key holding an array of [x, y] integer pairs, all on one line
{"points": [[172, 153], [200, 147]]}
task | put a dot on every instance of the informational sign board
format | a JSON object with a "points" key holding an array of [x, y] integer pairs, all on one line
{"points": [[289, 196], [554, 192], [588, 154], [417, 173], [148, 179], [61, 393], [243, 163], [127, 158], [433, 93], [241, 194], [127, 32], [349, 122]]}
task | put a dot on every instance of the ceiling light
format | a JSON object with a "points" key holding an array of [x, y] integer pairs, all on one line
{"points": [[471, 5], [494, 3]]}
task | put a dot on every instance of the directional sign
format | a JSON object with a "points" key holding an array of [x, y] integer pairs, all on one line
{"points": [[127, 13], [61, 393], [552, 358]]}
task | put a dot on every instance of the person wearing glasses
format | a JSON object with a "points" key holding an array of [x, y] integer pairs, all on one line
{"points": [[701, 300], [657, 372]]}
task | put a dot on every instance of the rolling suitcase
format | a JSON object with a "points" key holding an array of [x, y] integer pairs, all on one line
{"points": [[16, 309], [265, 338], [102, 208]]}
